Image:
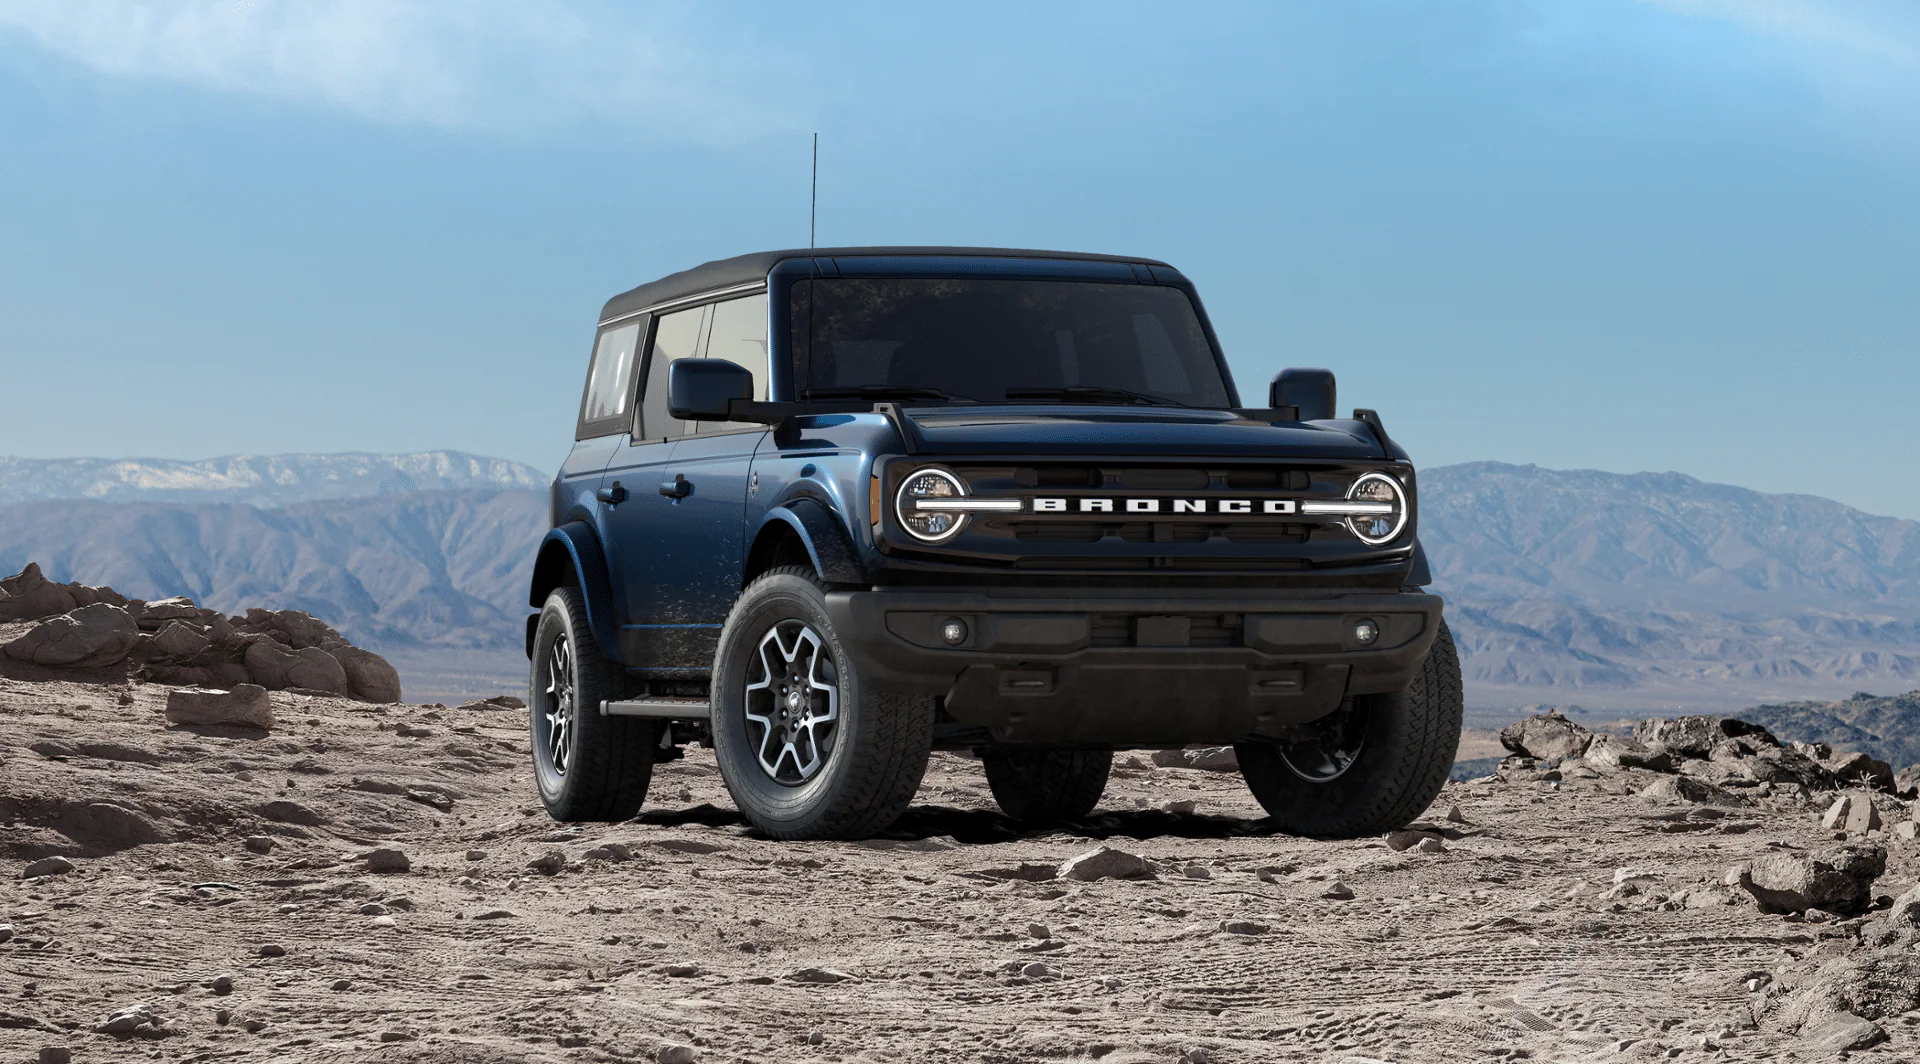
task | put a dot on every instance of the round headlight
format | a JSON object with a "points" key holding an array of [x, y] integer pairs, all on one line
{"points": [[917, 505], [1381, 490]]}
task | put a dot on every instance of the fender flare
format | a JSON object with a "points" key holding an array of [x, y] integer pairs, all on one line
{"points": [[824, 537], [573, 546], [1421, 574]]}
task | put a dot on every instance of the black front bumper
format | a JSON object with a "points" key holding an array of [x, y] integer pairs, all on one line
{"points": [[1127, 667]]}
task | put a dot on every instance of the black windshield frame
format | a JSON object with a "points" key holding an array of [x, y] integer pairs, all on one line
{"points": [[1188, 338]]}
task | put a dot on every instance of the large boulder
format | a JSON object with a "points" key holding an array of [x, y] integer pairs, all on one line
{"points": [[1696, 736], [1861, 769], [302, 630], [1546, 735], [1624, 751], [179, 641], [247, 706], [28, 596], [90, 636], [369, 677], [278, 669], [1837, 880], [1782, 765]]}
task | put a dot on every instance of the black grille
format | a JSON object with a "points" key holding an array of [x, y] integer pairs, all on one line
{"points": [[1154, 532]]}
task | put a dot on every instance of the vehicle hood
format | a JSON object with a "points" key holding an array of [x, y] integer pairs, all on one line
{"points": [[1111, 430]]}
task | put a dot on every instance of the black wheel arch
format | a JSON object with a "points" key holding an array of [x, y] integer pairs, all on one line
{"points": [[571, 556], [804, 531]]}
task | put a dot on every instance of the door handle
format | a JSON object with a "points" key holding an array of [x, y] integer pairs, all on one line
{"points": [[677, 488], [612, 496]]}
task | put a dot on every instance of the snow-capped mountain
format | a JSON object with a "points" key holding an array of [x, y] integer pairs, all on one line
{"points": [[257, 480]]}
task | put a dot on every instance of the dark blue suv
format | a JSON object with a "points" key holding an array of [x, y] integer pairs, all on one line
{"points": [[828, 510]]}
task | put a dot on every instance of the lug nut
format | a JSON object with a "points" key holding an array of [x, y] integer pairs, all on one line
{"points": [[1365, 632]]}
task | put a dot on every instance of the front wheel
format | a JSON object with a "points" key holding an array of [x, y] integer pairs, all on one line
{"points": [[1369, 767], [586, 766], [807, 750]]}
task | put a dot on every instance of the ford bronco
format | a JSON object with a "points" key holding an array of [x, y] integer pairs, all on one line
{"points": [[829, 510]]}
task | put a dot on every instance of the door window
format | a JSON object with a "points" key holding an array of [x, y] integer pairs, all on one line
{"points": [[739, 335], [604, 409], [676, 336]]}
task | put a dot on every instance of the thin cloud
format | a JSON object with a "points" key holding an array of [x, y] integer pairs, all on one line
{"points": [[1888, 32], [487, 64]]}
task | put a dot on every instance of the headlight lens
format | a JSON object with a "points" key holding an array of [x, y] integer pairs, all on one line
{"points": [[924, 522], [1379, 489]]}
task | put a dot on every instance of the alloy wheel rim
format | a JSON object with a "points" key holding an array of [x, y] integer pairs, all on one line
{"points": [[792, 708], [1331, 751], [559, 704]]}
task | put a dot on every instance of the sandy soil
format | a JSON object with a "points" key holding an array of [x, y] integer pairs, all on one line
{"points": [[941, 942]]}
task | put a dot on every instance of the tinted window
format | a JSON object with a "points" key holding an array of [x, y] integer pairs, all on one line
{"points": [[978, 339], [676, 336], [739, 335], [610, 379]]}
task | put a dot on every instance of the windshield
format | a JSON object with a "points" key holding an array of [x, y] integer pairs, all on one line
{"points": [[944, 339]]}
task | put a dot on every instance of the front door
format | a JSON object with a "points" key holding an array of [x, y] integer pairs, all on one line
{"points": [[680, 532]]}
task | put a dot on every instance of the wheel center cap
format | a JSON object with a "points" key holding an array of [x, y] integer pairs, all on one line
{"points": [[793, 699]]}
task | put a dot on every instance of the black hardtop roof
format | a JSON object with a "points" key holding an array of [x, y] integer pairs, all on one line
{"points": [[742, 269]]}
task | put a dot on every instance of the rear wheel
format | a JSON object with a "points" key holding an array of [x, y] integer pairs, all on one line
{"points": [[807, 750], [586, 766], [1046, 786], [1370, 767]]}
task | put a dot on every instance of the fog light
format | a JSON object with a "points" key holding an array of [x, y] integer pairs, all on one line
{"points": [[1365, 632], [954, 631]]}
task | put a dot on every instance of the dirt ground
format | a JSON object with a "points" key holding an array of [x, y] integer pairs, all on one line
{"points": [[945, 941]]}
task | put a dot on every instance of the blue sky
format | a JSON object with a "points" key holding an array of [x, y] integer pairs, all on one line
{"points": [[1626, 236]]}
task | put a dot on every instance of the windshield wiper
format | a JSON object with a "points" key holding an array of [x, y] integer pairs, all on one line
{"points": [[1092, 393], [886, 391]]}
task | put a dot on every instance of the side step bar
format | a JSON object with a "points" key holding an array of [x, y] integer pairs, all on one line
{"points": [[658, 708]]}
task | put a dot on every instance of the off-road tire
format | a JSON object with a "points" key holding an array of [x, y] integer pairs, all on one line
{"points": [[1411, 739], [608, 761], [1046, 786], [881, 741]]}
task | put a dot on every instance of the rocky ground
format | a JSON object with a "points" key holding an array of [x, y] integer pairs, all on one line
{"points": [[375, 882]]}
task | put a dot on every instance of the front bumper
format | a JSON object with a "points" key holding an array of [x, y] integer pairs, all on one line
{"points": [[1127, 667]]}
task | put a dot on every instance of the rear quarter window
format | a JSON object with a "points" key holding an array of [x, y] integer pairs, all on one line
{"points": [[606, 407]]}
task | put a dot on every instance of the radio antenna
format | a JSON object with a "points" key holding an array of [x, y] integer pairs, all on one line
{"points": [[813, 201]]}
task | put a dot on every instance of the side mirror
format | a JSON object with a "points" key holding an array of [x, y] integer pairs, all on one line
{"points": [[1309, 389], [699, 389]]}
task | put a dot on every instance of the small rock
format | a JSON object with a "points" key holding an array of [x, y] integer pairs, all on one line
{"points": [[1038, 970], [1107, 863], [1907, 830], [1546, 735], [1181, 807], [1406, 839], [1243, 927], [549, 863], [1432, 844], [1455, 816], [395, 1036], [272, 950], [682, 971], [1841, 1034], [56, 1055], [1860, 768], [476, 855], [46, 866], [386, 860], [1818, 916], [223, 1016], [6, 932], [373, 908], [815, 1036], [1838, 880], [1687, 790], [343, 984], [222, 984], [128, 1020], [818, 975], [498, 914], [385, 921], [255, 1026], [1033, 930], [676, 1053], [245, 706], [258, 843], [1196, 871], [609, 851], [1338, 891]]}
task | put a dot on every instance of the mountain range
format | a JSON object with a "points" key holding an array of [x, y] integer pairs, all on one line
{"points": [[256, 480], [1619, 594]]}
